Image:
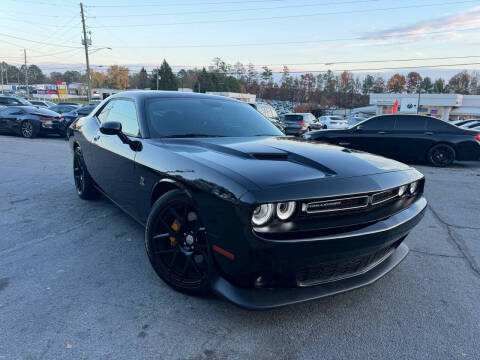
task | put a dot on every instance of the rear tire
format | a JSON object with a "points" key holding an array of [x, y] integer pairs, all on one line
{"points": [[441, 155], [83, 181], [29, 130], [176, 244]]}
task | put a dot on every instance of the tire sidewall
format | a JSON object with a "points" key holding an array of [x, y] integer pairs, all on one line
{"points": [[157, 208], [432, 161]]}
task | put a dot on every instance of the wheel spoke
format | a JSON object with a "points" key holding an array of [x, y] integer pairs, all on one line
{"points": [[188, 260], [167, 251], [172, 261], [161, 236], [177, 216]]}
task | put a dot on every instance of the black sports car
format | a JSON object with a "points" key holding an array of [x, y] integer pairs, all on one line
{"points": [[407, 137], [29, 121], [231, 204]]}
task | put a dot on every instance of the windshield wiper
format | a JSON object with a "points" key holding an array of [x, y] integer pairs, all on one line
{"points": [[191, 135]]}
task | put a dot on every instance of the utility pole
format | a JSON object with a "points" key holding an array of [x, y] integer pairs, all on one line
{"points": [[1, 72], [158, 74], [26, 72], [85, 43]]}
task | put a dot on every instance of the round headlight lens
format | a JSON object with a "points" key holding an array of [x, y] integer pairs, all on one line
{"points": [[413, 187], [402, 190], [285, 210], [262, 214]]}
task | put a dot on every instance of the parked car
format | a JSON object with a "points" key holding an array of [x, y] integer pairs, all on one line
{"points": [[269, 112], [407, 137], [70, 103], [459, 122], [13, 101], [231, 204], [300, 123], [71, 116], [45, 104], [333, 122], [471, 124], [29, 121], [63, 109]]}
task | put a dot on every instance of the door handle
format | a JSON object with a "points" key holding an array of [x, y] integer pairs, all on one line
{"points": [[381, 132], [96, 137], [429, 133]]}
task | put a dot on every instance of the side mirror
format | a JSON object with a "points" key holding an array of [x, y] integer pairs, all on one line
{"points": [[359, 128], [111, 128], [115, 128]]}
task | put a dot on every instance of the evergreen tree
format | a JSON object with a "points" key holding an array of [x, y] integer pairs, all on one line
{"points": [[166, 78]]}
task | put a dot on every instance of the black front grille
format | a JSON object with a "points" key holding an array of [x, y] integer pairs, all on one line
{"points": [[341, 204], [337, 270]]}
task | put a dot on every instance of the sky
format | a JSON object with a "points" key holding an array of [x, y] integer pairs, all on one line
{"points": [[307, 35]]}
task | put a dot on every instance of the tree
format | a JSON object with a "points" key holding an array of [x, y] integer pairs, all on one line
{"points": [[142, 79], [475, 84], [267, 74], [330, 83], [460, 83], [97, 79], [413, 82], [251, 73], [426, 85], [167, 80], [379, 85], [287, 80], [239, 70], [117, 76], [55, 76], [368, 84], [439, 86], [72, 77], [35, 75], [396, 84]]}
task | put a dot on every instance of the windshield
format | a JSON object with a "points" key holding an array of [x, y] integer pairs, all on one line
{"points": [[190, 117], [23, 101], [293, 117]]}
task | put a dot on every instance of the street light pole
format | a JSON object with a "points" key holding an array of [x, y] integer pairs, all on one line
{"points": [[85, 43], [26, 72]]}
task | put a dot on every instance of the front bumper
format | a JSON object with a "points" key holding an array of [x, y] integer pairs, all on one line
{"points": [[264, 299], [287, 257]]}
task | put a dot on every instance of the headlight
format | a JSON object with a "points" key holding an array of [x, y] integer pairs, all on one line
{"points": [[401, 190], [285, 210], [262, 214], [413, 187]]}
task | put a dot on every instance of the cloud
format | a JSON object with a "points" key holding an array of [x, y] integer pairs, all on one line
{"points": [[449, 24]]}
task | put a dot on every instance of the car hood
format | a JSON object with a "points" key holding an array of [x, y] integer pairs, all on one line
{"points": [[273, 161]]}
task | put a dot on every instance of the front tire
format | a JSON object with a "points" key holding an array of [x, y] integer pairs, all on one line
{"points": [[441, 155], [29, 130], [83, 181], [176, 244]]}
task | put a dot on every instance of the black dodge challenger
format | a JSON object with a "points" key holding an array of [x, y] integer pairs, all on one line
{"points": [[232, 205]]}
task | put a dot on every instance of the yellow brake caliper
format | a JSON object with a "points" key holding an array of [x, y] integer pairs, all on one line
{"points": [[175, 226]]}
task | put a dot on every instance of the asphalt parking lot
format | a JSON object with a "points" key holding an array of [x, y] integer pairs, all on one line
{"points": [[75, 282]]}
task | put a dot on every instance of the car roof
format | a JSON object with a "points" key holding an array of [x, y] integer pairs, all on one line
{"points": [[147, 94]]}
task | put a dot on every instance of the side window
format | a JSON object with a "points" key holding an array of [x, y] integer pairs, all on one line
{"points": [[380, 123], [3, 100], [410, 123], [439, 125], [13, 102], [103, 115], [125, 112]]}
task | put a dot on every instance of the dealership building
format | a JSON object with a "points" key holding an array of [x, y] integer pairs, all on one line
{"points": [[443, 106]]}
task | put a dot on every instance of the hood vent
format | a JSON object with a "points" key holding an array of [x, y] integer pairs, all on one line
{"points": [[270, 156]]}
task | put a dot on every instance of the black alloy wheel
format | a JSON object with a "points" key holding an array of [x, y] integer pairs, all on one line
{"points": [[441, 155], [176, 243], [83, 182], [28, 130]]}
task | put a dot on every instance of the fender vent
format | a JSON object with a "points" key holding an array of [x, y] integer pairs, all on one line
{"points": [[271, 157]]}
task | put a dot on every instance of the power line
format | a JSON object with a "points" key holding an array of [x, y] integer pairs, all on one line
{"points": [[286, 16], [38, 42], [234, 10], [296, 42], [182, 4]]}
